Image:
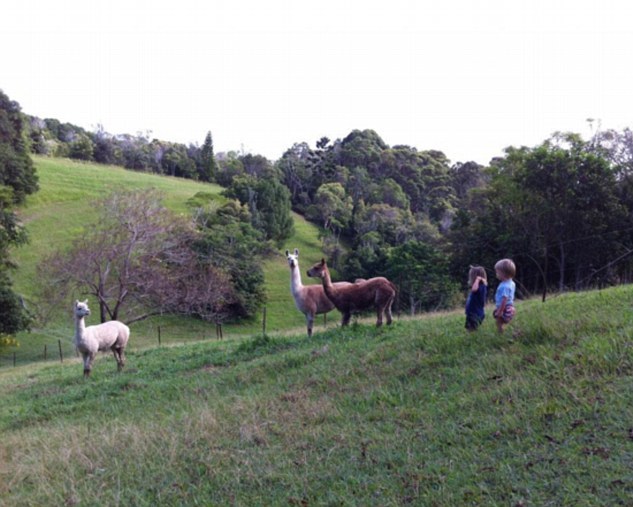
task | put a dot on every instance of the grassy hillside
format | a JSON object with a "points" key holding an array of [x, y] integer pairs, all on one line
{"points": [[58, 212], [420, 413]]}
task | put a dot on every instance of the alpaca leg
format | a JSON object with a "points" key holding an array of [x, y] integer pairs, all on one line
{"points": [[389, 314], [120, 358], [88, 359], [346, 318], [309, 323], [379, 317]]}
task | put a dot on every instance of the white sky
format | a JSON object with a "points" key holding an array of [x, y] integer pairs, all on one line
{"points": [[467, 77]]}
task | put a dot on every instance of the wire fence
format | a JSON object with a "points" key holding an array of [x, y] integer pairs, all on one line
{"points": [[54, 351], [64, 349]]}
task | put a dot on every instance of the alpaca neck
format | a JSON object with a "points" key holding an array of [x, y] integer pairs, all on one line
{"points": [[80, 328], [327, 282], [295, 280]]}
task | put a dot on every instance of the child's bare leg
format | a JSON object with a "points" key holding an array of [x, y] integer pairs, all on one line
{"points": [[500, 325]]}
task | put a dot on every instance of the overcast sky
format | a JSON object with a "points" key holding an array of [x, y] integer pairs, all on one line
{"points": [[467, 77]]}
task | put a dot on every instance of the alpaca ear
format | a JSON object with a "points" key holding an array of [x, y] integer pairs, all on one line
{"points": [[76, 302], [297, 252], [86, 302], [287, 252], [322, 261]]}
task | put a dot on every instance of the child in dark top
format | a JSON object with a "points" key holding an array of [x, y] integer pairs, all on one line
{"points": [[478, 283]]}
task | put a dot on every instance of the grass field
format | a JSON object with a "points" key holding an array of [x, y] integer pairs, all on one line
{"points": [[421, 413], [59, 211]]}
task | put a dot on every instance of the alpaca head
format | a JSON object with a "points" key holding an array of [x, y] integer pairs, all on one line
{"points": [[81, 309], [293, 259], [318, 270]]}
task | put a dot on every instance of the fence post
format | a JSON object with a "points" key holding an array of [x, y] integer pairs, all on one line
{"points": [[264, 322], [45, 354], [159, 336], [61, 355]]}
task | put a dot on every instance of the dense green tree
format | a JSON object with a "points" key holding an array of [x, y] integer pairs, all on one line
{"points": [[135, 152], [268, 201], [466, 176], [394, 225], [424, 177], [37, 135], [259, 167], [333, 207], [17, 180], [391, 193], [230, 243], [229, 167], [176, 162], [553, 208], [16, 167], [106, 149], [422, 275], [361, 149], [13, 316], [82, 148], [296, 173]]}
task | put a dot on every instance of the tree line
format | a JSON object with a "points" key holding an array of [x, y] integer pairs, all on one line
{"points": [[51, 137], [561, 210]]}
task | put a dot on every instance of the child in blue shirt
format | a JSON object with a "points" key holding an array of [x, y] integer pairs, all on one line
{"points": [[478, 283], [504, 297]]}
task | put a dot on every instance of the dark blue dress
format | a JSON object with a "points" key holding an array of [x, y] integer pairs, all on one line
{"points": [[475, 307]]}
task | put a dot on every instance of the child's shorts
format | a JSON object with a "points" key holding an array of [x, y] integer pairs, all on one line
{"points": [[473, 321], [508, 314]]}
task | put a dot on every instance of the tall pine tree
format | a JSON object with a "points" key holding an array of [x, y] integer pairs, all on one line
{"points": [[207, 169]]}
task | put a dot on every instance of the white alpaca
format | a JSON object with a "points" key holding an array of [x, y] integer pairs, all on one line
{"points": [[89, 340], [309, 299]]}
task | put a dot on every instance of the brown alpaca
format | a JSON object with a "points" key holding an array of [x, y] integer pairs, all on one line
{"points": [[378, 293]]}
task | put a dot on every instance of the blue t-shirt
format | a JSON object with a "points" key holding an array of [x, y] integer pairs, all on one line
{"points": [[476, 301], [505, 289]]}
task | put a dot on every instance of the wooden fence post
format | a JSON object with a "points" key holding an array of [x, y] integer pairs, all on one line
{"points": [[45, 352], [264, 322], [61, 355], [159, 336]]}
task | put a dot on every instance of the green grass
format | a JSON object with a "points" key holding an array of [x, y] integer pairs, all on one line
{"points": [[421, 413], [62, 207]]}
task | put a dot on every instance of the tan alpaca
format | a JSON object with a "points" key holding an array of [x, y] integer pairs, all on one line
{"points": [[309, 299]]}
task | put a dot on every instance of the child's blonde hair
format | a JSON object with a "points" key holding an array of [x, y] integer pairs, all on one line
{"points": [[476, 271], [506, 267]]}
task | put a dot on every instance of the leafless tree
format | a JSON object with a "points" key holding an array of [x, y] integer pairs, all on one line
{"points": [[136, 257]]}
